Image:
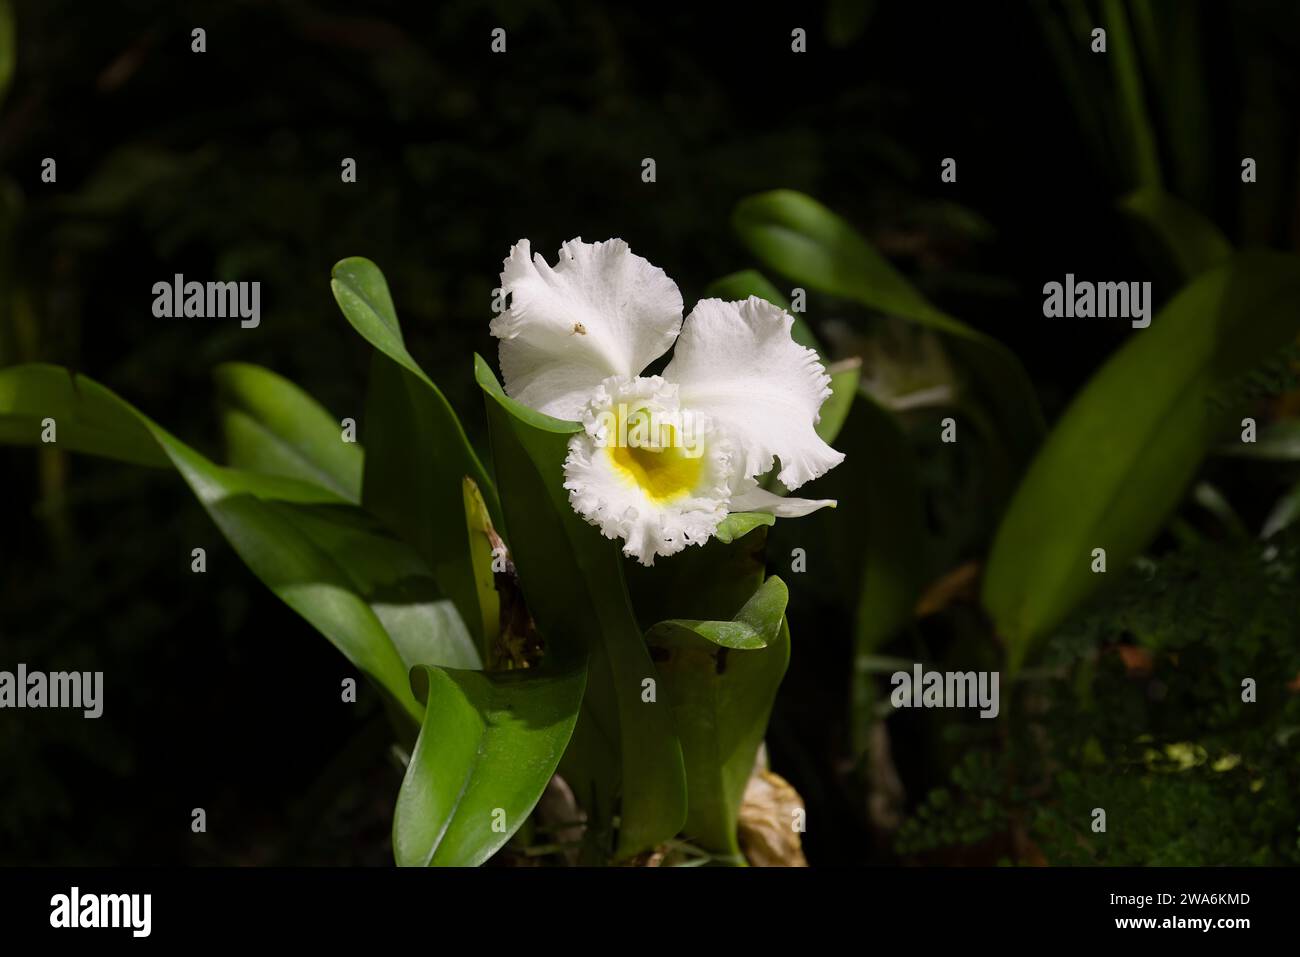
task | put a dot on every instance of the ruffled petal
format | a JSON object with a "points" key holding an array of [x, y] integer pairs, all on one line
{"points": [[659, 495], [737, 363], [750, 497], [601, 312]]}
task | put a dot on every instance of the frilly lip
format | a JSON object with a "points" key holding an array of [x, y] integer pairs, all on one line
{"points": [[648, 528]]}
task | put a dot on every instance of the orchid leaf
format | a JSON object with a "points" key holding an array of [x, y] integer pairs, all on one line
{"points": [[625, 752], [722, 699], [488, 745], [1194, 243], [754, 626], [1129, 444], [273, 427], [417, 453], [365, 591]]}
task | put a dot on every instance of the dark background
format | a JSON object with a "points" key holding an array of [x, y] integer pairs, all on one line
{"points": [[226, 165]]}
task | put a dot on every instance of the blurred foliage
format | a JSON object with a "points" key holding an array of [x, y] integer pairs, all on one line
{"points": [[1138, 710]]}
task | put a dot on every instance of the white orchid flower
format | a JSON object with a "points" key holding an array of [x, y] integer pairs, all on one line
{"points": [[661, 459]]}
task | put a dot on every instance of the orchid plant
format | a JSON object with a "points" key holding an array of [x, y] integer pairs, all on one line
{"points": [[547, 692]]}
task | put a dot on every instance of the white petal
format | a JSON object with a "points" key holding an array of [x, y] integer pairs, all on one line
{"points": [[625, 503], [601, 312], [737, 363], [752, 498]]}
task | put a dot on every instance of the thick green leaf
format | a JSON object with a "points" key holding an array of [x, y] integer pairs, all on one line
{"points": [[722, 700], [754, 626], [625, 752], [802, 239], [1194, 243], [417, 454], [274, 427], [1126, 448], [394, 581], [488, 745], [369, 594], [31, 393]]}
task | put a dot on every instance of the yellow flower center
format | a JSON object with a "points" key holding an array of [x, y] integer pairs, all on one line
{"points": [[661, 465]]}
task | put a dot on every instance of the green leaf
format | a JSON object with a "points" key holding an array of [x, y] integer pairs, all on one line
{"points": [[483, 542], [722, 700], [488, 746], [1144, 159], [361, 291], [394, 581], [1194, 242], [754, 626], [29, 394], [802, 239], [738, 524], [370, 595], [625, 752], [417, 454], [273, 427], [1127, 447]]}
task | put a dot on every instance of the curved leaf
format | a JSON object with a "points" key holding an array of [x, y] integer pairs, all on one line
{"points": [[273, 427], [369, 594], [417, 454], [625, 751], [1194, 242], [722, 700], [754, 626], [1124, 451], [488, 745], [738, 524]]}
